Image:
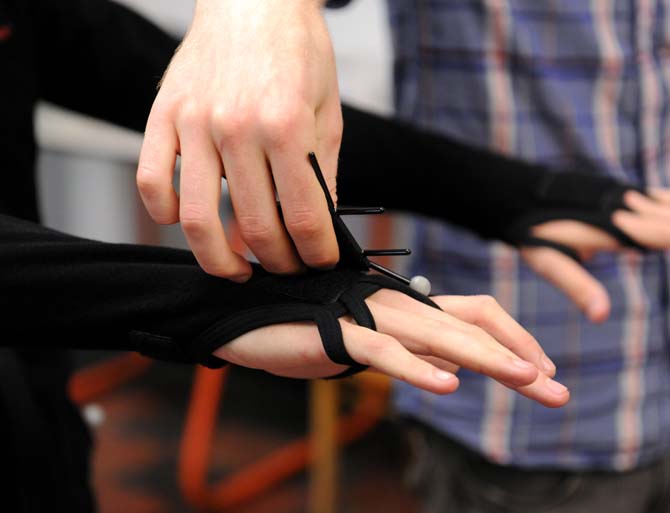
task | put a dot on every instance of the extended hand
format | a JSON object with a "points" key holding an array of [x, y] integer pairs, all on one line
{"points": [[415, 343], [647, 223]]}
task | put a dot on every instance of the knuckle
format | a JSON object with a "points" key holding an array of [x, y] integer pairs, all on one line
{"points": [[232, 125], [377, 347], [195, 220], [280, 125], [486, 307], [303, 223], [255, 229], [487, 301], [192, 114], [321, 259], [148, 180]]}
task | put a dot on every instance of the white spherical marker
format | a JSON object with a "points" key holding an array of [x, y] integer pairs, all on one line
{"points": [[93, 414], [421, 284]]}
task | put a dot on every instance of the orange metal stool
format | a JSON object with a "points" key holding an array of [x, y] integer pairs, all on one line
{"points": [[89, 383], [261, 475]]}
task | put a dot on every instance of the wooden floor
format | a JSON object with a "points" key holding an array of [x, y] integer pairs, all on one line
{"points": [[135, 458]]}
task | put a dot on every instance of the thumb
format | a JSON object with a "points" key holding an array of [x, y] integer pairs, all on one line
{"points": [[572, 279]]}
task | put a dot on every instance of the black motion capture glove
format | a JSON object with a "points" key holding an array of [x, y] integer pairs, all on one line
{"points": [[64, 291], [393, 164]]}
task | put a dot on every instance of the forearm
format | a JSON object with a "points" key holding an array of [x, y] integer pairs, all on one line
{"points": [[389, 163], [65, 291], [386, 162]]}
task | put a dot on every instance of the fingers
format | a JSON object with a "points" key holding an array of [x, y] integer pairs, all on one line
{"points": [[482, 311], [253, 198], [659, 194], [648, 207], [304, 204], [485, 312], [650, 233], [485, 355], [648, 223], [572, 279], [387, 355], [200, 191], [263, 124], [468, 346], [441, 364], [583, 238], [295, 350], [545, 391], [156, 169]]}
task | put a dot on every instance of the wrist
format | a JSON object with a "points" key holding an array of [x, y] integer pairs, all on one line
{"points": [[236, 11]]}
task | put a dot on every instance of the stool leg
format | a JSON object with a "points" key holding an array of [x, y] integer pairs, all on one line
{"points": [[324, 470]]}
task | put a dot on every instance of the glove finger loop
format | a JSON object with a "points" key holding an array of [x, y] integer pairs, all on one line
{"points": [[333, 343], [331, 338], [358, 309]]}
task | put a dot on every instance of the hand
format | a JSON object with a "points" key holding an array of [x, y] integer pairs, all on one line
{"points": [[250, 92], [414, 343], [647, 222]]}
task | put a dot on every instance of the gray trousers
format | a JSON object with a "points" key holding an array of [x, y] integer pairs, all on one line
{"points": [[452, 479]]}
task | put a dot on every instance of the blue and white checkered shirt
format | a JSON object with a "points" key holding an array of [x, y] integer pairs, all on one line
{"points": [[583, 84]]}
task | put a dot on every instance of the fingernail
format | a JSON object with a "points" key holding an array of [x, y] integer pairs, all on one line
{"points": [[523, 364], [555, 386], [547, 365], [443, 375]]}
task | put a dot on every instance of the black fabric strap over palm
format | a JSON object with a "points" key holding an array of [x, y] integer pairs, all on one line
{"points": [[393, 164], [319, 297]]}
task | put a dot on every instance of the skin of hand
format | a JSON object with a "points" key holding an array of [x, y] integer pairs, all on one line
{"points": [[250, 92], [415, 343], [647, 223]]}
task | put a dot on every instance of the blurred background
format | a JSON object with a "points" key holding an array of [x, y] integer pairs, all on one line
{"points": [[149, 458]]}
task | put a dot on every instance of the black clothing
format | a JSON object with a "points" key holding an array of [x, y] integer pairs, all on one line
{"points": [[95, 295], [92, 56], [389, 163], [103, 60]]}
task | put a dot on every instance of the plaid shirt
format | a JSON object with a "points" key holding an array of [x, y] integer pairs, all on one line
{"points": [[583, 84]]}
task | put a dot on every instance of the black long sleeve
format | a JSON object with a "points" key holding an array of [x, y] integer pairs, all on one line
{"points": [[392, 164], [93, 56], [395, 165], [99, 58], [64, 291]]}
